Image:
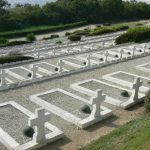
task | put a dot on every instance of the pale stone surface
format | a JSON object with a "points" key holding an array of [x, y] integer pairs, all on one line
{"points": [[38, 121], [96, 102]]}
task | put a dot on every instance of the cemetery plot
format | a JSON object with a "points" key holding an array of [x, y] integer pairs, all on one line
{"points": [[114, 94], [126, 79], [85, 58], [20, 73], [14, 120], [68, 106], [47, 68], [144, 67], [76, 63], [102, 55]]}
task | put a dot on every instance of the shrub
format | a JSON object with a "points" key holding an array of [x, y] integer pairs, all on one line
{"points": [[56, 69], [13, 58], [28, 132], [120, 27], [147, 102], [59, 42], [31, 37], [100, 31], [3, 41], [30, 75], [53, 36], [67, 34], [137, 34], [101, 59], [84, 63], [74, 37], [125, 93], [86, 109]]}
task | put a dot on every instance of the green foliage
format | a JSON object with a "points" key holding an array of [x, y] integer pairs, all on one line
{"points": [[86, 109], [30, 37], [53, 36], [137, 34], [131, 136], [40, 29], [103, 29], [13, 43], [147, 102], [125, 94], [59, 42], [74, 37], [3, 41], [13, 58], [28, 132]]}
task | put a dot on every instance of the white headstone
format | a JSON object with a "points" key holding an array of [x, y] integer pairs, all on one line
{"points": [[106, 56], [38, 54], [96, 102], [3, 77], [134, 49], [38, 122], [103, 44], [54, 52], [88, 61], [135, 88], [145, 47], [60, 64], [34, 70], [121, 53]]}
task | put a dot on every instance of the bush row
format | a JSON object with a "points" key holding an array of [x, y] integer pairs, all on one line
{"points": [[40, 30], [13, 58], [137, 34], [103, 30], [13, 43]]}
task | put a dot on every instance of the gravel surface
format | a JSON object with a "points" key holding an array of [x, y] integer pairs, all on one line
{"points": [[109, 91], [14, 122], [66, 102], [130, 78]]}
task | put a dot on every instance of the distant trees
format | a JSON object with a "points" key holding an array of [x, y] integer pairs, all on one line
{"points": [[67, 11]]}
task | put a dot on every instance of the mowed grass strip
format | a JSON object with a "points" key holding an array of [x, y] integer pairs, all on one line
{"points": [[134, 135]]}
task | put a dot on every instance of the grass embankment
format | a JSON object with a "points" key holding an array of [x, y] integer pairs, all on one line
{"points": [[39, 30], [135, 135]]}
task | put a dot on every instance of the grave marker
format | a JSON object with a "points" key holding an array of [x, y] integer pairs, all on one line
{"points": [[3, 77], [38, 121], [136, 86], [96, 102]]}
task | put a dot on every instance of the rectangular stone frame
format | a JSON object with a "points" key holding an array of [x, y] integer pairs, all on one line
{"points": [[142, 68], [109, 77], [11, 144], [82, 123], [110, 100]]}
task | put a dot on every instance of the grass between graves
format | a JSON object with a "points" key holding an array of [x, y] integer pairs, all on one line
{"points": [[40, 30], [134, 135]]}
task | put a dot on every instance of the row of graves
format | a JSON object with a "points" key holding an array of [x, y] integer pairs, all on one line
{"points": [[121, 89], [48, 46], [37, 72]]}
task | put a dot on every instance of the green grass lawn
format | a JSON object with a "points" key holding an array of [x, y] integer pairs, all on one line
{"points": [[134, 135]]}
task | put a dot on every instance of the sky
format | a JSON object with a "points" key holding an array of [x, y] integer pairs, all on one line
{"points": [[41, 2]]}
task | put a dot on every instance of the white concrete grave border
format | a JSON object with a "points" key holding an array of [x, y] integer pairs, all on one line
{"points": [[142, 68], [11, 144], [46, 70], [82, 123], [109, 77], [77, 86]]}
